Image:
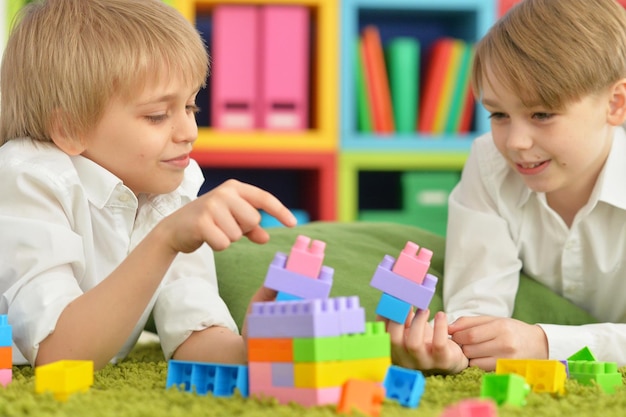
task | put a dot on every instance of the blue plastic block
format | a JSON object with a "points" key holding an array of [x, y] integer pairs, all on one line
{"points": [[404, 385], [283, 296], [267, 220], [393, 308], [203, 377], [6, 332]]}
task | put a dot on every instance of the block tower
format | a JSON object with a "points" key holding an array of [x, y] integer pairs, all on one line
{"points": [[306, 346], [6, 351], [405, 282]]}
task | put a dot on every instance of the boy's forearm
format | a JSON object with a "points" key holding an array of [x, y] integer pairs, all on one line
{"points": [[95, 325], [215, 345]]}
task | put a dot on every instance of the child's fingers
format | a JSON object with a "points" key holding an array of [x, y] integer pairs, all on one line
{"points": [[267, 202]]}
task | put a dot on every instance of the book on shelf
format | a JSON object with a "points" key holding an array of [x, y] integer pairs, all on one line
{"points": [[448, 90], [364, 115], [461, 90], [403, 59], [377, 81]]}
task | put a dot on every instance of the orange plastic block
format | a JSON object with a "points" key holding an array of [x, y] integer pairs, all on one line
{"points": [[304, 259], [270, 350], [364, 396], [6, 359]]}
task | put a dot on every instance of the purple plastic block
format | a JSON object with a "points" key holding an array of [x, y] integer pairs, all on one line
{"points": [[418, 295], [280, 279], [282, 375], [306, 318]]}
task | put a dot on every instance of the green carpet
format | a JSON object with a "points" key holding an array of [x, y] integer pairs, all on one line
{"points": [[136, 387]]}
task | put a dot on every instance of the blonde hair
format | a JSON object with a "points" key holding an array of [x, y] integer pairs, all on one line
{"points": [[554, 52], [66, 59]]}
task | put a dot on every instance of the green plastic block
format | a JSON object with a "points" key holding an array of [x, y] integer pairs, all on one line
{"points": [[604, 374], [373, 343], [505, 388], [317, 349], [583, 354]]}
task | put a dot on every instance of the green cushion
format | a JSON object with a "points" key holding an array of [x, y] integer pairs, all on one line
{"points": [[354, 250]]}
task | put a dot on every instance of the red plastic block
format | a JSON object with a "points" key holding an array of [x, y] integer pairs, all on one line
{"points": [[412, 264], [364, 396], [304, 259]]}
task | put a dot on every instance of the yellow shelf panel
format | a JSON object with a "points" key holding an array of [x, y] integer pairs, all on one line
{"points": [[263, 140]]}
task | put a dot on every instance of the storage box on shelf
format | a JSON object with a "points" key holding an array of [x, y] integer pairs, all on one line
{"points": [[310, 151], [426, 21]]}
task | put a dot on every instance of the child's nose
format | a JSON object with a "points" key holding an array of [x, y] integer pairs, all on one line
{"points": [[518, 138], [186, 128]]}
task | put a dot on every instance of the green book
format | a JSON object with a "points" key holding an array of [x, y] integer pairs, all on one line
{"points": [[403, 63], [363, 107]]}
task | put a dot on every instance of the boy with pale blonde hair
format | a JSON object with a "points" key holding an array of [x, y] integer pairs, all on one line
{"points": [[99, 220], [543, 192]]}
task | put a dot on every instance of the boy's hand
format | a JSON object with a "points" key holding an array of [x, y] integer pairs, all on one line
{"points": [[417, 345], [223, 215], [485, 339]]}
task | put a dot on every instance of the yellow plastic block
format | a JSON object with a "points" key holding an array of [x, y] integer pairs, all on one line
{"points": [[541, 375], [64, 378], [336, 373]]}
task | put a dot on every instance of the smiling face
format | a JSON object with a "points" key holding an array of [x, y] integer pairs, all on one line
{"points": [[557, 152], [146, 140]]}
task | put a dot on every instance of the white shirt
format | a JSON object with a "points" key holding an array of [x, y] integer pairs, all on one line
{"points": [[66, 223], [497, 227]]}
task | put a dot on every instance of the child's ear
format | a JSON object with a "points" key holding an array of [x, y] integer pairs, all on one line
{"points": [[62, 137], [617, 103]]}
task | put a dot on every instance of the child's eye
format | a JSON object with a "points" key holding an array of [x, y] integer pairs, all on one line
{"points": [[192, 108], [497, 115], [542, 116], [156, 118]]}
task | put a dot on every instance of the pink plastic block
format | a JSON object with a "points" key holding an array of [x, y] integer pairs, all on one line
{"points": [[471, 408], [306, 397], [285, 50], [293, 283], [6, 376], [306, 318], [235, 66], [412, 264], [306, 260], [259, 375], [387, 281]]}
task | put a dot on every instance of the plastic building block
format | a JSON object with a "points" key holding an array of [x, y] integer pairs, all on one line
{"points": [[200, 377], [412, 264], [583, 354], [6, 357], [336, 373], [364, 396], [306, 397], [404, 385], [6, 332], [604, 374], [6, 376], [259, 376], [283, 296], [393, 308], [283, 375], [304, 259], [295, 284], [270, 350], [541, 375], [505, 389], [371, 344], [471, 408], [306, 318], [387, 281], [64, 378]]}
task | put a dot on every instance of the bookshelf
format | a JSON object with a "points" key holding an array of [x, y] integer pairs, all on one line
{"points": [[310, 154], [361, 153]]}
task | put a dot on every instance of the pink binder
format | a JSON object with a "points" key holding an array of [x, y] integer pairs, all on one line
{"points": [[235, 59], [285, 69]]}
